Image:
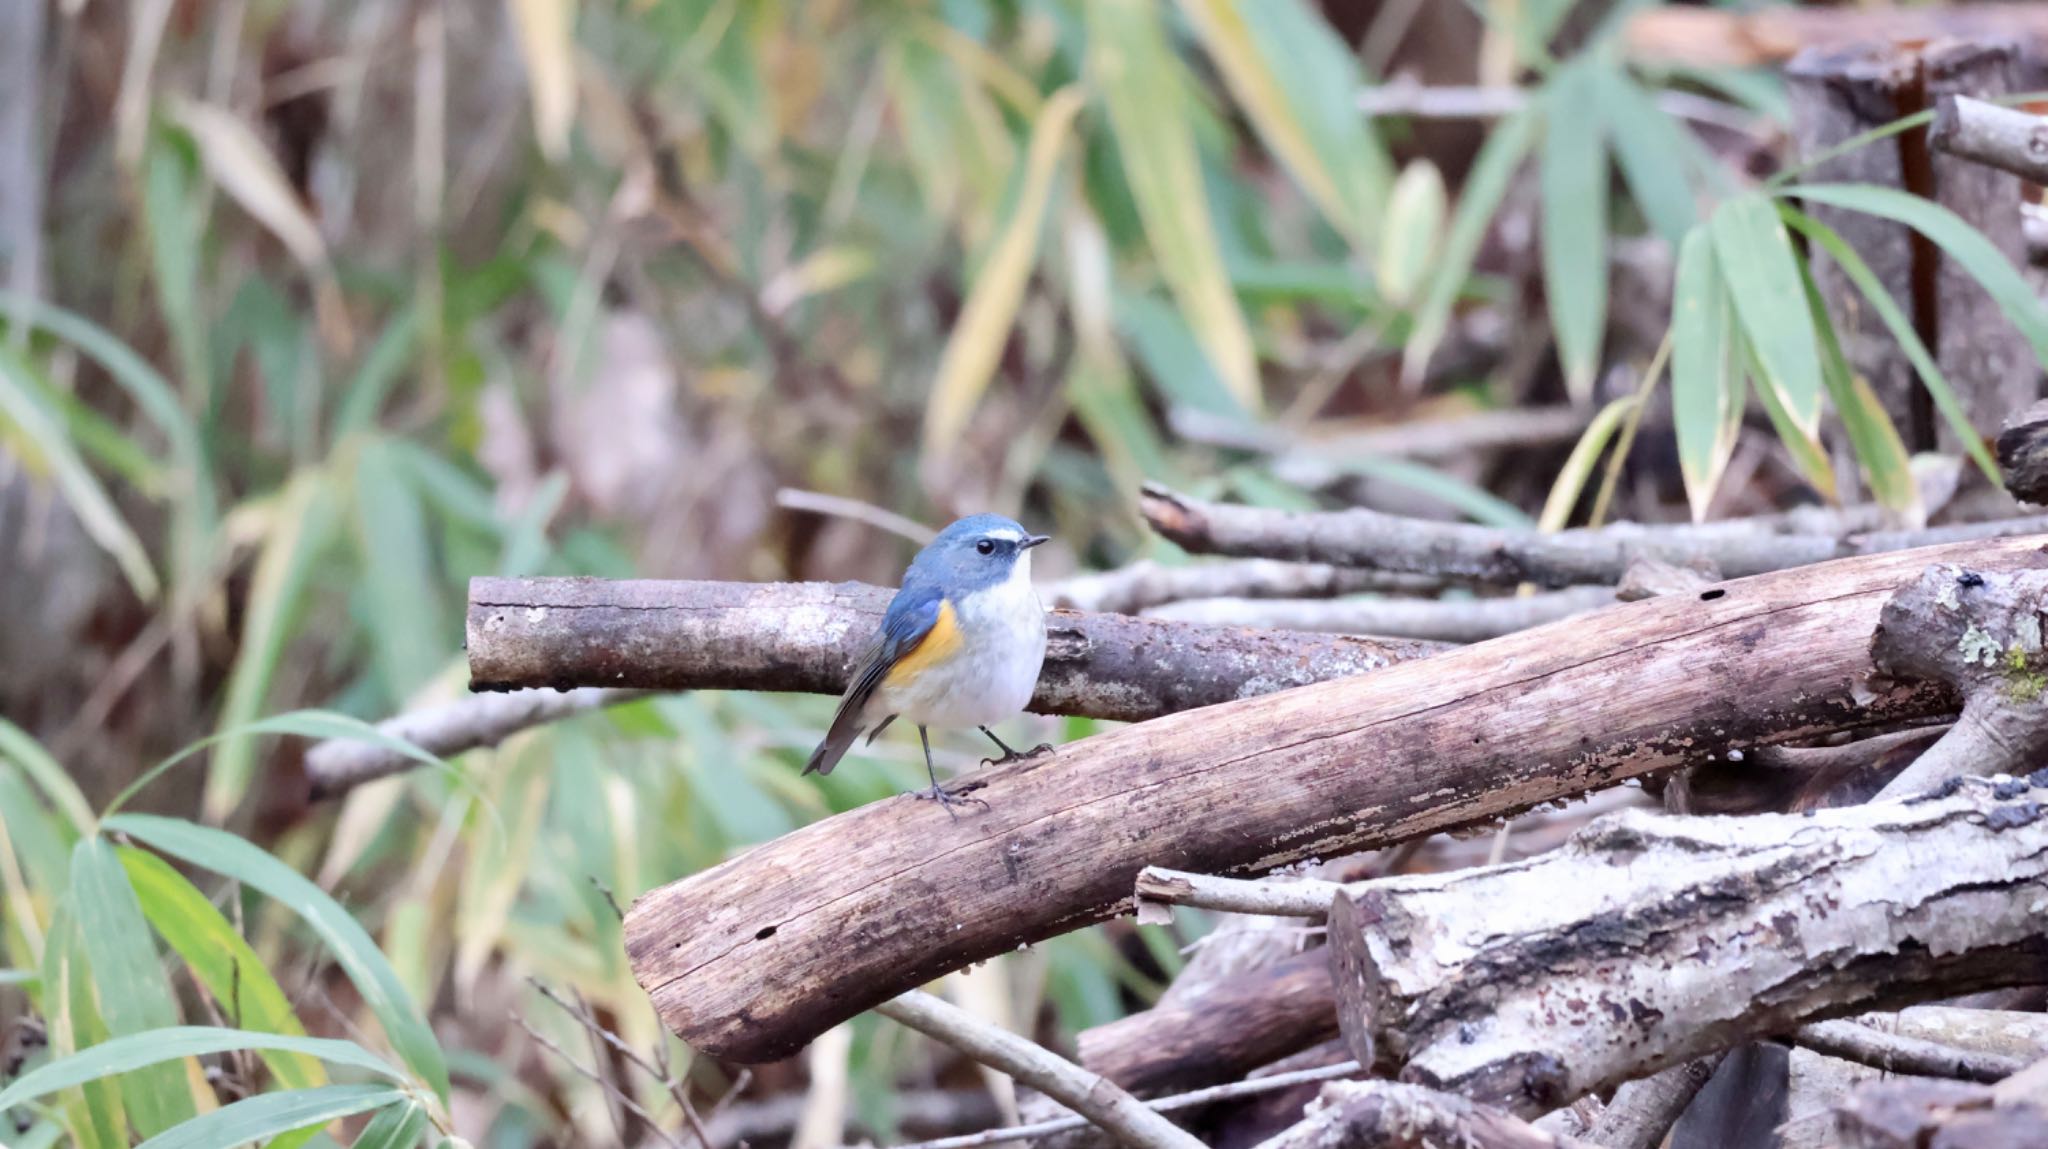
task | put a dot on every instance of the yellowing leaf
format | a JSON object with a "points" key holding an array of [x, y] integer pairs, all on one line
{"points": [[547, 42], [984, 326], [1147, 95], [245, 169], [1415, 224]]}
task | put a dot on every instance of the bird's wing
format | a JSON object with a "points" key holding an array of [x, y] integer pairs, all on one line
{"points": [[917, 628]]}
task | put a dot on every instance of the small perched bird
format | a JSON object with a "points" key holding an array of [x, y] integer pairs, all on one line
{"points": [[960, 645]]}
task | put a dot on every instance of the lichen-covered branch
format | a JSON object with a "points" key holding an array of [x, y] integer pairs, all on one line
{"points": [[1391, 1115], [1531, 984]]}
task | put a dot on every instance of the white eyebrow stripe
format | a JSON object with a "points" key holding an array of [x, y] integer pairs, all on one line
{"points": [[1006, 534]]}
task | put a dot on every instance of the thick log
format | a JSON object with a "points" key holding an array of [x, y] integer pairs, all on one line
{"points": [[1919, 1114], [752, 958], [2023, 453], [1649, 940], [1230, 1028], [651, 635]]}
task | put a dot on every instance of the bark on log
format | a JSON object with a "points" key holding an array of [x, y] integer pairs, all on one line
{"points": [[1388, 1115], [1650, 940], [2023, 453], [752, 958], [1919, 1114], [1374, 540], [1229, 1029], [651, 635], [2009, 140], [1982, 634]]}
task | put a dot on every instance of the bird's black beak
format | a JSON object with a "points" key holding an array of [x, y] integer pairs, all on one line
{"points": [[1032, 541]]}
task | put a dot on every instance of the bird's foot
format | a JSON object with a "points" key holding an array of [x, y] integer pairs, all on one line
{"points": [[950, 800], [1010, 756]]}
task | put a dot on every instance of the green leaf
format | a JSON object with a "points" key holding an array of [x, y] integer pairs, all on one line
{"points": [[1479, 505], [55, 782], [23, 403], [1762, 273], [1651, 148], [94, 1115], [1887, 309], [398, 1127], [319, 725], [1706, 371], [1808, 456], [1574, 179], [133, 995], [408, 630], [1485, 186], [351, 945], [1957, 239], [1296, 82], [365, 391], [218, 957], [304, 520], [1880, 454], [1149, 97], [141, 1050], [269, 1114], [175, 219]]}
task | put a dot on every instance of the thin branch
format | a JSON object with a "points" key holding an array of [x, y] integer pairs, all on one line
{"points": [[658, 1072], [840, 507], [1297, 898], [338, 765], [611, 1089], [2005, 138], [1373, 540], [1088, 1094], [1214, 1093], [1143, 584], [1895, 1053], [1644, 1110], [1445, 102], [1440, 620]]}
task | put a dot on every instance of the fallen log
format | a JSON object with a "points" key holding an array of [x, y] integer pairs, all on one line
{"points": [[752, 958], [1650, 940], [652, 635]]}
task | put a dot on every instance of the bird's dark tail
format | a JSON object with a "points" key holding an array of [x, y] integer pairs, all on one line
{"points": [[847, 725]]}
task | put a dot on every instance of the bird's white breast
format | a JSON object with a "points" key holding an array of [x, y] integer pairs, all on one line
{"points": [[1002, 631]]}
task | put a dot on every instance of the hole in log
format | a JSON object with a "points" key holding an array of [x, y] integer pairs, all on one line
{"points": [[1711, 595], [764, 933]]}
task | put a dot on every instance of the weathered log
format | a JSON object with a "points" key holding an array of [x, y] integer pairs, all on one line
{"points": [[2023, 453], [1920, 1114], [1229, 1029], [651, 635], [1649, 940], [750, 959], [1981, 633], [1389, 1115]]}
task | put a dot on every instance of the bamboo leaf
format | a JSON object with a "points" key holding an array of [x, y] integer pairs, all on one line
{"points": [[1296, 82], [547, 43], [269, 1114], [1887, 309], [408, 629], [55, 782], [23, 403], [1574, 180], [1808, 456], [397, 1127], [1485, 186], [1415, 224], [303, 521], [350, 944], [237, 159], [1880, 454], [1761, 270], [1957, 240], [977, 340], [1578, 467], [1147, 96], [135, 1051], [1651, 149], [1706, 372], [133, 995], [221, 961]]}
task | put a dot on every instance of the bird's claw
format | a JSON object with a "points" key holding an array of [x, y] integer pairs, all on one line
{"points": [[1019, 755], [948, 801]]}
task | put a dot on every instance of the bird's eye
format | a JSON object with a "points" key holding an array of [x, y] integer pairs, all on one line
{"points": [[986, 546]]}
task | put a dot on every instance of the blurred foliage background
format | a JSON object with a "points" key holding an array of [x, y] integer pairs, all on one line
{"points": [[319, 308]]}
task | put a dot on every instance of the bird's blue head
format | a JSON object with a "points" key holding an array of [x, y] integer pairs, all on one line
{"points": [[976, 553]]}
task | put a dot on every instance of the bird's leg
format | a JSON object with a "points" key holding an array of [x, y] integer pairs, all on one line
{"points": [[1010, 755], [938, 793]]}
